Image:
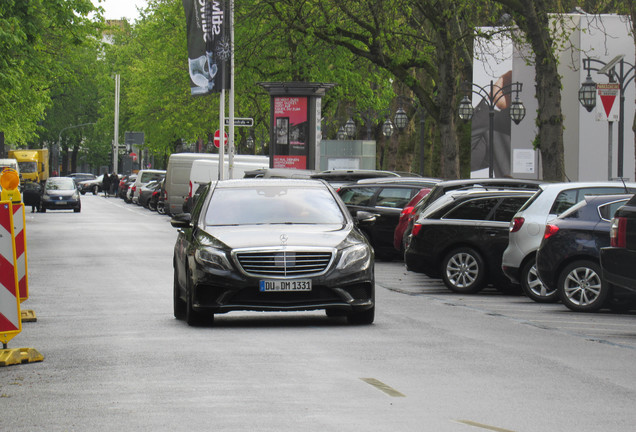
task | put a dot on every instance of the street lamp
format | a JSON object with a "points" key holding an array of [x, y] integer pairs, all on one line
{"points": [[401, 120], [587, 94], [350, 128], [492, 95], [341, 135], [250, 144], [387, 128]]}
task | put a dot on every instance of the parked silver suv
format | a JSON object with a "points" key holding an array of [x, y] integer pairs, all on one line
{"points": [[528, 226]]}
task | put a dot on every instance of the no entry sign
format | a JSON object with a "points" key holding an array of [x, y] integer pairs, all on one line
{"points": [[217, 138]]}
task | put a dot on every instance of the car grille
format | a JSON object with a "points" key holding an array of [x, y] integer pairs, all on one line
{"points": [[284, 263]]}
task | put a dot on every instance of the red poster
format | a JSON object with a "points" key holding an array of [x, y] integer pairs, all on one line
{"points": [[291, 131], [293, 162]]}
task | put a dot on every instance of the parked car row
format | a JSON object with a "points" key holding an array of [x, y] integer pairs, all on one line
{"points": [[545, 240]]}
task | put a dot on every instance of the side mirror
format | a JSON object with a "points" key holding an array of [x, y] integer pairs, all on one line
{"points": [[365, 218], [181, 220]]}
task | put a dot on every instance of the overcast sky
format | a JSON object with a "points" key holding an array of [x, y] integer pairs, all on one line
{"points": [[116, 9]]}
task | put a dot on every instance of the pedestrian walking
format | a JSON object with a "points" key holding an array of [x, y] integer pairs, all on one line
{"points": [[106, 183], [114, 184]]}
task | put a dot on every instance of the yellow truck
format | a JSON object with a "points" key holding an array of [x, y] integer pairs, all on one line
{"points": [[34, 164]]}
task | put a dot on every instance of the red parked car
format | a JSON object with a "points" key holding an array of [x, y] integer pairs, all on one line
{"points": [[407, 214]]}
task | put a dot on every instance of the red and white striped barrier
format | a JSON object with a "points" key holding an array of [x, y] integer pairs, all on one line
{"points": [[10, 323], [19, 233]]}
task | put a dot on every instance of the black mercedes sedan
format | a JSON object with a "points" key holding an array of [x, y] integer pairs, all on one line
{"points": [[568, 258], [271, 245], [461, 236]]}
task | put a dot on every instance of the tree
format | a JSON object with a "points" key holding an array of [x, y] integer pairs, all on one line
{"points": [[425, 45], [32, 34]]}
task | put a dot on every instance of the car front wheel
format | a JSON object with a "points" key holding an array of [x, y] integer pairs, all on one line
{"points": [[533, 287], [193, 317], [581, 287], [464, 271]]}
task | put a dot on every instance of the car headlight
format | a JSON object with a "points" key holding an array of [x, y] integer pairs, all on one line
{"points": [[75, 195], [212, 258], [355, 258]]}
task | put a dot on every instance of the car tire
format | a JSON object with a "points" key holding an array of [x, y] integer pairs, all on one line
{"points": [[533, 287], [95, 190], [179, 305], [43, 209], [464, 271], [362, 318], [193, 317], [83, 192], [581, 287]]}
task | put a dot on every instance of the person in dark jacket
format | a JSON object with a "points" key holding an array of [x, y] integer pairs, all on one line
{"points": [[32, 195], [114, 184], [106, 183]]}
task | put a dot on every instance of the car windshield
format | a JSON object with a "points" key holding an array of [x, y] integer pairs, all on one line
{"points": [[272, 205], [60, 184]]}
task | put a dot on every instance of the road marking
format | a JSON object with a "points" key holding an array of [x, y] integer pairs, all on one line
{"points": [[383, 387], [483, 426]]}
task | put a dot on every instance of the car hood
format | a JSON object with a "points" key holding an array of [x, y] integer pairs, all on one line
{"points": [[275, 235]]}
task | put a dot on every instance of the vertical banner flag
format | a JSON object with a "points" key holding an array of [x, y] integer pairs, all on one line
{"points": [[209, 46]]}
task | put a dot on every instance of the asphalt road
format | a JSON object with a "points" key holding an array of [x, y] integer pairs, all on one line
{"points": [[117, 360]]}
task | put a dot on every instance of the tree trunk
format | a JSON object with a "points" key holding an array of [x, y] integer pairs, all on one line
{"points": [[447, 95]]}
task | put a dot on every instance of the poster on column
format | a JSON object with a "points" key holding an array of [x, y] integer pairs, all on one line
{"points": [[492, 65], [291, 132]]}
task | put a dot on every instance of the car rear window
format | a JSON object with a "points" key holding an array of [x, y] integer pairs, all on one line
{"points": [[607, 211], [394, 197], [477, 209], [508, 207], [358, 196], [568, 198]]}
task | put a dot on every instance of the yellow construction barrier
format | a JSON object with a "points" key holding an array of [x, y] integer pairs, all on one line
{"points": [[10, 314]]}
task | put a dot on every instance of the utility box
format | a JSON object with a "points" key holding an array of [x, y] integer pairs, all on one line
{"points": [[347, 154]]}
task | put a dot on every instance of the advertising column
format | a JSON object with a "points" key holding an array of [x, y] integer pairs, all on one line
{"points": [[291, 132]]}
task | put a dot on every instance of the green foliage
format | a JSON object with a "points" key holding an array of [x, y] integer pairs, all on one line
{"points": [[32, 35]]}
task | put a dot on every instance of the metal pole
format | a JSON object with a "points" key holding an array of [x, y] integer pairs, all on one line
{"points": [[230, 159], [491, 131], [610, 127], [621, 120], [116, 133], [222, 135], [422, 129]]}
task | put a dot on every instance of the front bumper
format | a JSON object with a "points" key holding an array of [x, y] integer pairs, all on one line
{"points": [[231, 292], [60, 204]]}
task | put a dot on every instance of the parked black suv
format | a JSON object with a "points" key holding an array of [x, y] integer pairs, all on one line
{"points": [[617, 261], [461, 237], [443, 187]]}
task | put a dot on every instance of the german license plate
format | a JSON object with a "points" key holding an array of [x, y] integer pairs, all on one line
{"points": [[285, 285]]}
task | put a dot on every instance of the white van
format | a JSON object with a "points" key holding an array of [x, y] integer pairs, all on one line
{"points": [[180, 166], [10, 163], [145, 176]]}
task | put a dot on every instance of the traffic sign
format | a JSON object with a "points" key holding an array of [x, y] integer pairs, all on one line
{"points": [[606, 95], [217, 139], [240, 121]]}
